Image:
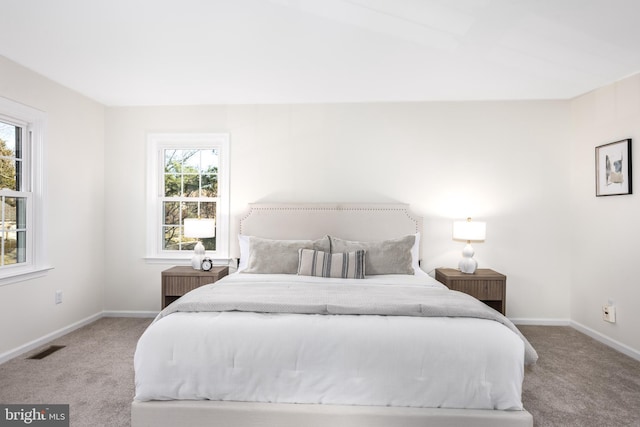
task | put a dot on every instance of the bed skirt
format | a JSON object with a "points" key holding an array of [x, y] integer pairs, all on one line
{"points": [[193, 413]]}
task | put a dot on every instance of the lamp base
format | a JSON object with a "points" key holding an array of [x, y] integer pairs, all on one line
{"points": [[198, 254], [196, 262], [467, 264]]}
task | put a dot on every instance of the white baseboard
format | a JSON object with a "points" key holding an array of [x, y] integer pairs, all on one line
{"points": [[127, 313], [616, 345], [541, 322], [622, 348], [47, 338]]}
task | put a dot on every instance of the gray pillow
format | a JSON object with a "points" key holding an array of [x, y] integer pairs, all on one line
{"points": [[383, 257], [347, 265], [267, 256]]}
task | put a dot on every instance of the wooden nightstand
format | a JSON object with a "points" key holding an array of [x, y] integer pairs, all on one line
{"points": [[486, 285], [177, 281]]}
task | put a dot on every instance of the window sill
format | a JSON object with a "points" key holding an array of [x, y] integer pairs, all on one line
{"points": [[183, 260], [20, 275]]}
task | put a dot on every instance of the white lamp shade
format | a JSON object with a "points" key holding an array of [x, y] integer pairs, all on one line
{"points": [[469, 230], [199, 227]]}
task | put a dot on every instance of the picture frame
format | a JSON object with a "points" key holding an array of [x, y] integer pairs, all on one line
{"points": [[613, 169]]}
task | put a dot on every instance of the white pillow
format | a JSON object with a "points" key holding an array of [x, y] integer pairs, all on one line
{"points": [[415, 254], [244, 251]]}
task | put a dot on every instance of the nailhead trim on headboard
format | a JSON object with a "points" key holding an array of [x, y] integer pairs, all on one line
{"points": [[373, 208]]}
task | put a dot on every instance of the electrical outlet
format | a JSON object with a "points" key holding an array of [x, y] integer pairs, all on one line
{"points": [[58, 297], [609, 313]]}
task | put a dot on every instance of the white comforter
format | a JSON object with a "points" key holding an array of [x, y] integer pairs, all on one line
{"points": [[331, 359]]}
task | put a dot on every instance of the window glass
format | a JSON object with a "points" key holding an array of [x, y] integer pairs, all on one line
{"points": [[189, 177], [13, 213], [10, 156]]}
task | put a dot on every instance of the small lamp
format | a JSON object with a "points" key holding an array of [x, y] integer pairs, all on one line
{"points": [[199, 228], [468, 230]]}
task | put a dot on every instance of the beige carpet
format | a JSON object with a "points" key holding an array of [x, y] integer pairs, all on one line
{"points": [[577, 381], [93, 373]]}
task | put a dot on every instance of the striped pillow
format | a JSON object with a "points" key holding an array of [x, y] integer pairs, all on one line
{"points": [[348, 265]]}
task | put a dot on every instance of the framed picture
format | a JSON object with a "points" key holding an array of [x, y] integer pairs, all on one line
{"points": [[613, 168]]}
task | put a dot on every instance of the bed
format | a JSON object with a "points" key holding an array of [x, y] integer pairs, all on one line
{"points": [[390, 347]]}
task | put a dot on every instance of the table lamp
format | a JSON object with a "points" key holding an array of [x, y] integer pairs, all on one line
{"points": [[199, 228], [469, 230]]}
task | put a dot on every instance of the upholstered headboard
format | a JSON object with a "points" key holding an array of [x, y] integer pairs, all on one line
{"points": [[363, 222]]}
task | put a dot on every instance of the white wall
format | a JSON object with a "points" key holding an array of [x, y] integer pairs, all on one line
{"points": [[75, 198], [502, 162], [606, 230]]}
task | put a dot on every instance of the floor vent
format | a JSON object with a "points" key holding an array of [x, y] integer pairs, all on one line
{"points": [[44, 353]]}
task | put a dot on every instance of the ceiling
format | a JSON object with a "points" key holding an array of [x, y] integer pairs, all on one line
{"points": [[183, 52]]}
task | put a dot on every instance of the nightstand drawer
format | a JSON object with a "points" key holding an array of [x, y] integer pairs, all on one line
{"points": [[180, 285], [481, 289]]}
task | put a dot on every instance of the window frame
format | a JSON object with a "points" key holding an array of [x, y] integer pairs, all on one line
{"points": [[156, 144], [33, 123]]}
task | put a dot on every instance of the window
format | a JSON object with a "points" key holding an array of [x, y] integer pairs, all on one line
{"points": [[188, 177], [21, 192]]}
